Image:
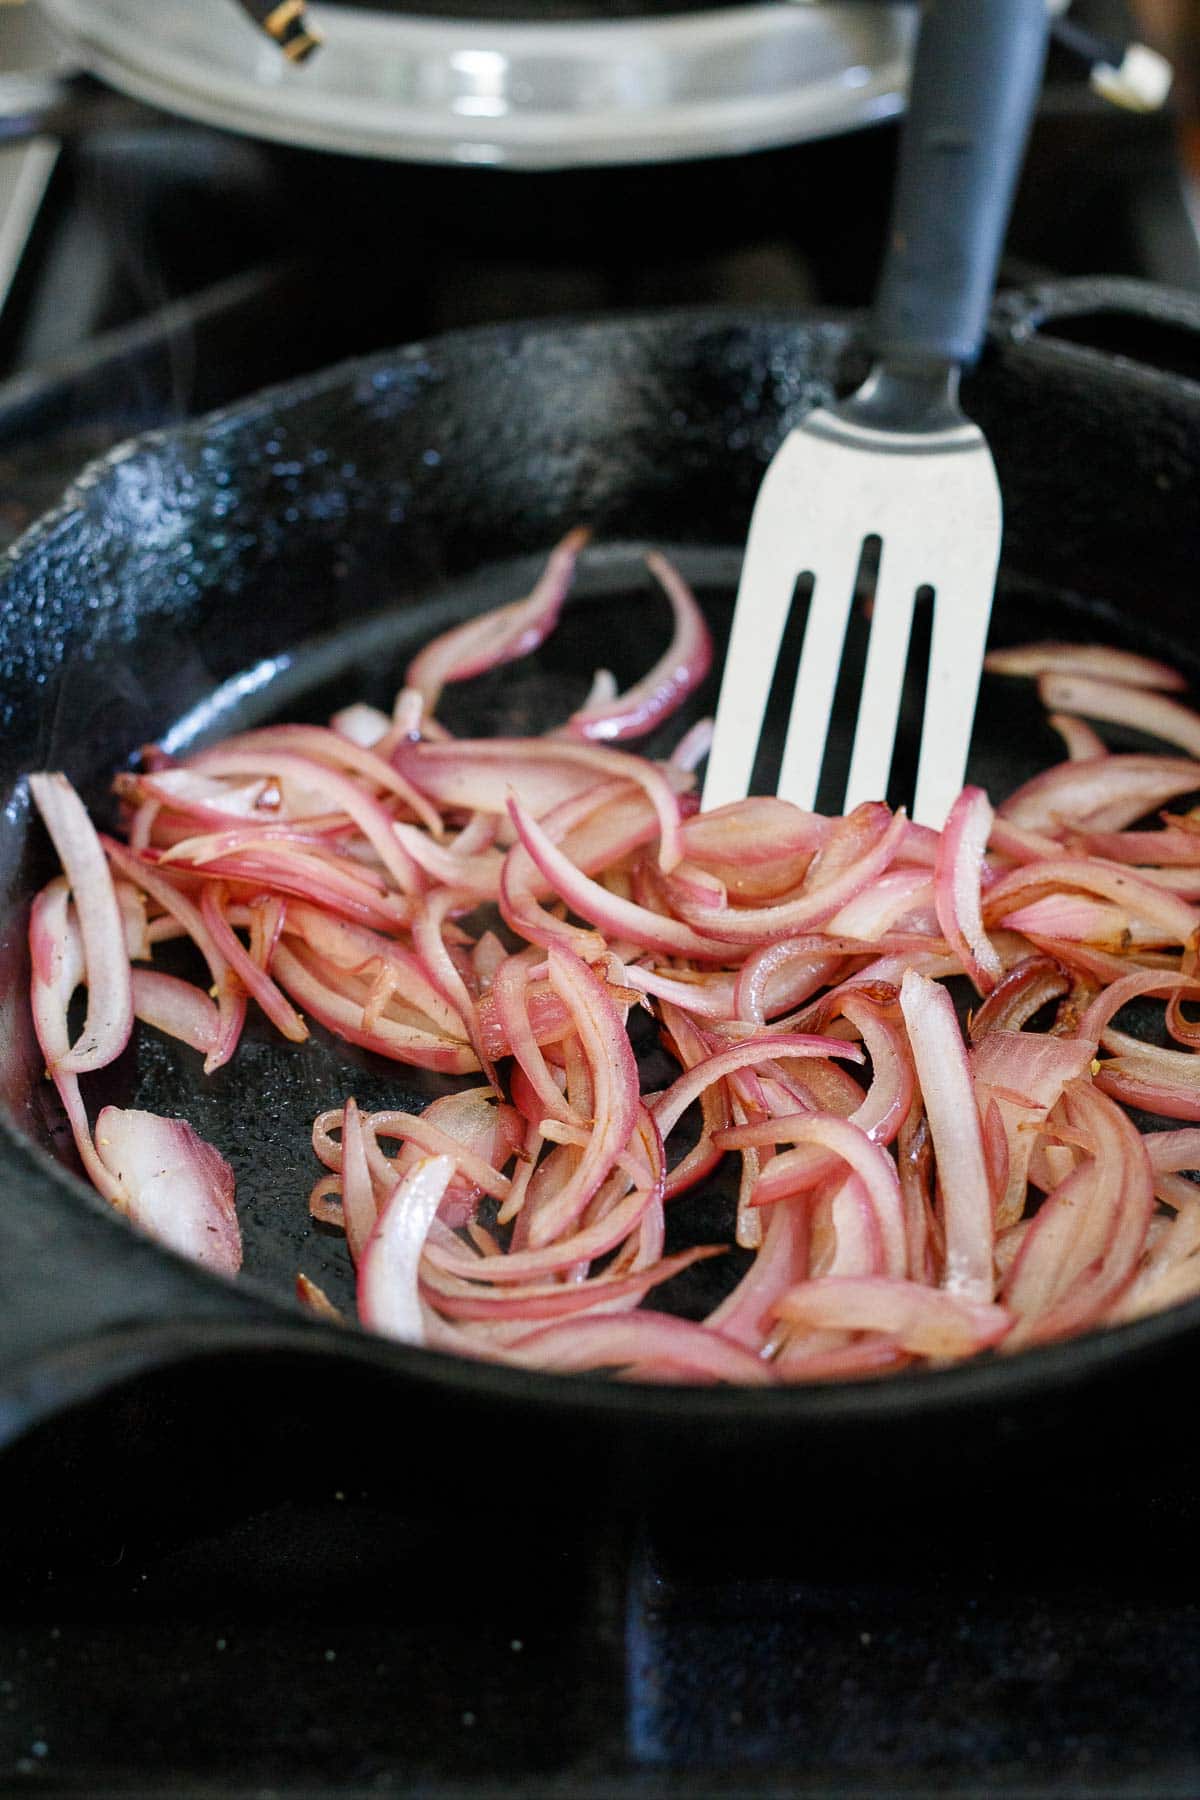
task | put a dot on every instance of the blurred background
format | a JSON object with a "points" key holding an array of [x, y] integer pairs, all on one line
{"points": [[1173, 26], [239, 190]]}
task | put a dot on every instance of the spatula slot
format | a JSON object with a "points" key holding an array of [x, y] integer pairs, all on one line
{"points": [[783, 681], [839, 740], [903, 777]]}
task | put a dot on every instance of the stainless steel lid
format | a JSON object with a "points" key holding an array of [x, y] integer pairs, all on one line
{"points": [[522, 95]]}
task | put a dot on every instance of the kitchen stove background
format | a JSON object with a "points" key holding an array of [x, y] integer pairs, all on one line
{"points": [[202, 1585], [194, 266]]}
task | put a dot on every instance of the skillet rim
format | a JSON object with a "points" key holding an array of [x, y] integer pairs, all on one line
{"points": [[920, 1393]]}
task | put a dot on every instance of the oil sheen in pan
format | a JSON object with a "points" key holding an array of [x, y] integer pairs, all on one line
{"points": [[259, 1109]]}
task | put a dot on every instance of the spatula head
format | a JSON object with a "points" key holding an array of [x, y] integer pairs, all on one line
{"points": [[933, 501]]}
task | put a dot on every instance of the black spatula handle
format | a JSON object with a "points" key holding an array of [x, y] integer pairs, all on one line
{"points": [[975, 84]]}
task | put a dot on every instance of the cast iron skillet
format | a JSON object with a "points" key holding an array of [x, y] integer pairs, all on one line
{"points": [[274, 558]]}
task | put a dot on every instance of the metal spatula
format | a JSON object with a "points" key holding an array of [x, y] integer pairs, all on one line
{"points": [[899, 460]]}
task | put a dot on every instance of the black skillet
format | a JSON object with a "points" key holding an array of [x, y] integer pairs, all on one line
{"points": [[278, 557]]}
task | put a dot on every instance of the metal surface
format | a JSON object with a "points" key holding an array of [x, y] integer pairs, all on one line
{"points": [[523, 95], [933, 500]]}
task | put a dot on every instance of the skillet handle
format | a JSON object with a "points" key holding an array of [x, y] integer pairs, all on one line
{"points": [[86, 1301], [1153, 329], [976, 78]]}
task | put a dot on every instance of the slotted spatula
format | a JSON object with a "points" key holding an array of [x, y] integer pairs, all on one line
{"points": [[898, 461]]}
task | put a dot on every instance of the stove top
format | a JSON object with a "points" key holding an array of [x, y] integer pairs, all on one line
{"points": [[208, 1595], [237, 1610]]}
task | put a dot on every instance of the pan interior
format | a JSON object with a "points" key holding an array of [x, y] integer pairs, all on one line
{"points": [[259, 1109]]}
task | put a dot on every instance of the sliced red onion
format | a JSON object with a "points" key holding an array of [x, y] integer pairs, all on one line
{"points": [[1136, 1081], [1175, 846], [403, 1043], [825, 1088], [671, 1105], [877, 846], [484, 775], [1097, 660], [283, 1016], [886, 972], [606, 1047], [109, 1018], [389, 1297], [173, 1185], [1171, 1150], [508, 994], [770, 941], [197, 851], [463, 777], [363, 725], [866, 1358], [694, 745], [1020, 844], [1028, 986], [664, 688], [231, 999], [1170, 1272], [957, 887], [56, 956], [716, 1110], [621, 918], [358, 1194], [1136, 708], [1136, 897], [914, 1164], [203, 799], [1024, 1076], [1119, 993], [1183, 883], [612, 1220], [258, 751], [870, 1162], [337, 791], [356, 948], [926, 1321], [780, 1262], [472, 1119], [317, 1301], [501, 635], [603, 690], [1080, 741], [431, 928], [548, 1019], [879, 1116], [1082, 1248], [431, 1138], [177, 1008], [478, 876], [760, 831], [343, 892], [899, 896], [677, 1349], [780, 976], [1105, 794], [748, 1226], [471, 1300], [946, 1087]]}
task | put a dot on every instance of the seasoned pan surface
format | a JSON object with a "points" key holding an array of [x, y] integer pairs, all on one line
{"points": [[291, 554]]}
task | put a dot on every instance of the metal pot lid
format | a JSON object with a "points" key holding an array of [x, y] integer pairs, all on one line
{"points": [[524, 95]]}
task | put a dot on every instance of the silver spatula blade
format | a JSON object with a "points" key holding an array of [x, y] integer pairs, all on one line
{"points": [[933, 500]]}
